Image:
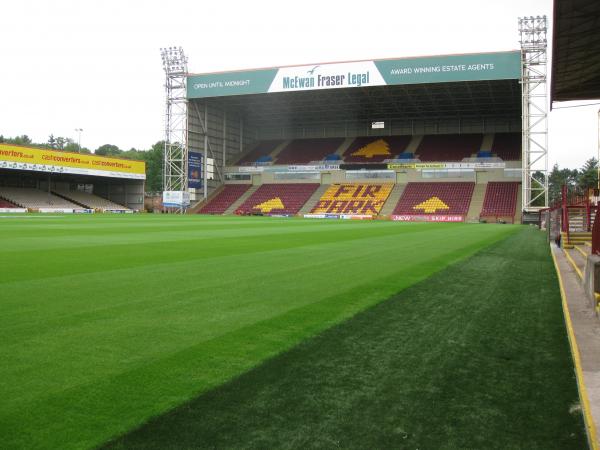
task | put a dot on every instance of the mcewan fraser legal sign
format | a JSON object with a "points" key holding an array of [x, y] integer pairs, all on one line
{"points": [[41, 160], [430, 69]]}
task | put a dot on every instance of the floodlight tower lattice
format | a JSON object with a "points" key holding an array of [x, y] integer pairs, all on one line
{"points": [[175, 167], [534, 102]]}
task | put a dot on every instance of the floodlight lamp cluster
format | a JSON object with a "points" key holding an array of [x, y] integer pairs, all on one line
{"points": [[533, 30], [173, 59]]}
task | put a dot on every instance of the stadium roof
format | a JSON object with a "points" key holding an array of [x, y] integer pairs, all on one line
{"points": [[472, 85], [501, 98], [575, 50]]}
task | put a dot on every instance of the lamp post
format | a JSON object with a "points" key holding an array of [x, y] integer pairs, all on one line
{"points": [[79, 130]]}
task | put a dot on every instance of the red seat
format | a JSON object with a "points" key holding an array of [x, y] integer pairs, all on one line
{"points": [[500, 199], [448, 147], [289, 197], [263, 148], [302, 151], [395, 146], [435, 199], [224, 199], [507, 146]]}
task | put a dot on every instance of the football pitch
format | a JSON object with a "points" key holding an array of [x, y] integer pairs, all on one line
{"points": [[160, 331]]}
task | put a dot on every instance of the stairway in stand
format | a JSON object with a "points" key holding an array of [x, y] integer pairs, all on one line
{"points": [[312, 201], [476, 203], [392, 200], [241, 200]]}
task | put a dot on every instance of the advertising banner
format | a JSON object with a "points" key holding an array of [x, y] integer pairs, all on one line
{"points": [[356, 216], [56, 210], [194, 170], [428, 69], [424, 218], [176, 199], [319, 168], [54, 161], [448, 165], [13, 210]]}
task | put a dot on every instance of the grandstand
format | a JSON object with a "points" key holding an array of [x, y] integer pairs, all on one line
{"points": [[433, 130], [50, 180], [35, 199], [425, 168], [92, 201]]}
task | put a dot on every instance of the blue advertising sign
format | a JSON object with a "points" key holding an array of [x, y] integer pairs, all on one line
{"points": [[194, 170]]}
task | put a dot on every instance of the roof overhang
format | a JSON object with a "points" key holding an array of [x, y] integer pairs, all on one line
{"points": [[454, 86], [358, 74], [575, 50], [464, 99]]}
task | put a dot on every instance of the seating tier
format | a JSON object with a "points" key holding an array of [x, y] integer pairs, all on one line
{"points": [[272, 199], [224, 199], [435, 199], [353, 198]]}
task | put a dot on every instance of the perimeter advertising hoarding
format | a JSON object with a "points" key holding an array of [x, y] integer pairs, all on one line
{"points": [[424, 218], [54, 161], [385, 72], [194, 170], [442, 165]]}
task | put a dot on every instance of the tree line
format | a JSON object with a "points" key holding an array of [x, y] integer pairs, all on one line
{"points": [[580, 179], [153, 157]]}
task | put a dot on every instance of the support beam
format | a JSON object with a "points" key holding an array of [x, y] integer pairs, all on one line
{"points": [[534, 102], [175, 167]]}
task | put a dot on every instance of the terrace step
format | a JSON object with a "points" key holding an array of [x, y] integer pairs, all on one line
{"points": [[277, 150], [414, 143], [344, 146], [312, 201], [476, 203], [392, 201], [241, 200]]}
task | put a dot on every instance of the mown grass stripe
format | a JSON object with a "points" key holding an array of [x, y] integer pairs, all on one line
{"points": [[475, 356]]}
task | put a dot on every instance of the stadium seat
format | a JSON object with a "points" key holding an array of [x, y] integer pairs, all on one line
{"points": [[376, 149], [500, 199], [263, 148], [35, 199], [448, 147], [285, 199], [90, 201], [435, 199], [303, 151], [6, 204], [507, 146], [353, 199], [224, 199]]}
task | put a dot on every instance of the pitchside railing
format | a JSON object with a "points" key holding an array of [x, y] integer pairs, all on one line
{"points": [[577, 211], [596, 233]]}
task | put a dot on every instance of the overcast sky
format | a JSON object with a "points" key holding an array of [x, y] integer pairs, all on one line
{"points": [[96, 64]]}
